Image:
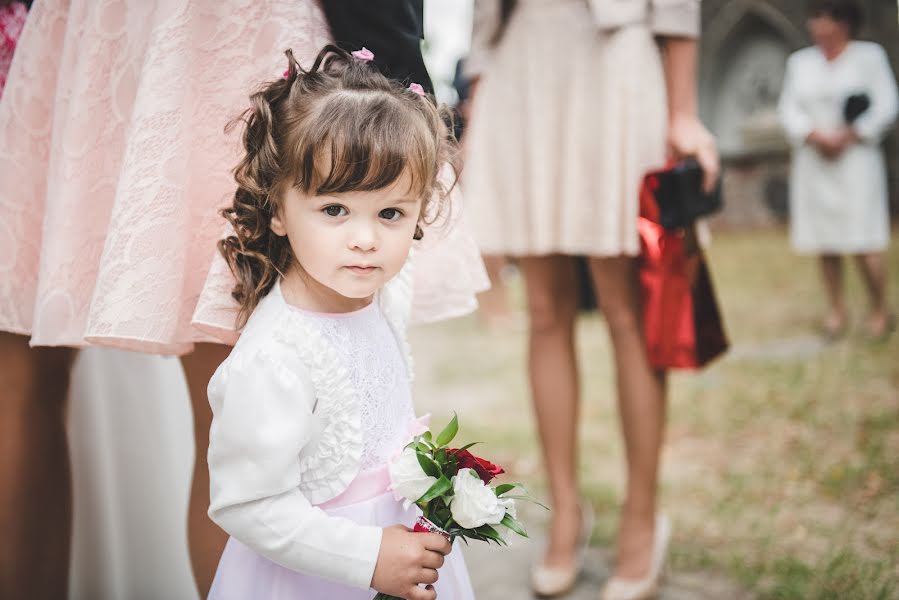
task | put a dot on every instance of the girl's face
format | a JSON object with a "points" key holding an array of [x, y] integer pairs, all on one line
{"points": [[351, 243]]}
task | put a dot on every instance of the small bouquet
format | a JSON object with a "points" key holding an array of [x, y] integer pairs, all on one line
{"points": [[452, 488]]}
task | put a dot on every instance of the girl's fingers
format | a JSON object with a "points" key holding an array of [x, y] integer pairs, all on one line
{"points": [[425, 593], [436, 543], [428, 576], [433, 560]]}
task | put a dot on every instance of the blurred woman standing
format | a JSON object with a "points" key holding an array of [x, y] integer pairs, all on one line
{"points": [[572, 106], [839, 100]]}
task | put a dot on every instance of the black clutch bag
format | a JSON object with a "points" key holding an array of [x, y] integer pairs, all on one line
{"points": [[855, 106], [679, 195]]}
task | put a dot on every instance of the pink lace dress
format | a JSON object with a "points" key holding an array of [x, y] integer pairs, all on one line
{"points": [[114, 163], [367, 350]]}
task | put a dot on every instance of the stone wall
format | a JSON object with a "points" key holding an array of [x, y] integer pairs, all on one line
{"points": [[744, 47]]}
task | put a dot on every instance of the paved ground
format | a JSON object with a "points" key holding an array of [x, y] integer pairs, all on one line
{"points": [[502, 574], [778, 350]]}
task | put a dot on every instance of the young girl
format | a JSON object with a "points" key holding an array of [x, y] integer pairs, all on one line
{"points": [[341, 167]]}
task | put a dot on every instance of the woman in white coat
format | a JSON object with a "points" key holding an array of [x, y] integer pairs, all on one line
{"points": [[838, 188]]}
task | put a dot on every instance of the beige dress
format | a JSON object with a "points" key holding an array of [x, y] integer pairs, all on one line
{"points": [[568, 115]]}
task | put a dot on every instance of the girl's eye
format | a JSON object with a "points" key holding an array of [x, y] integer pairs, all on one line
{"points": [[391, 214], [334, 210]]}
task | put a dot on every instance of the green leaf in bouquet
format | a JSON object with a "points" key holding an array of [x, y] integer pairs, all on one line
{"points": [[468, 534], [426, 436], [526, 499], [440, 487], [451, 466], [449, 432], [438, 512], [443, 515], [428, 465], [505, 487], [466, 447], [510, 522], [486, 532]]}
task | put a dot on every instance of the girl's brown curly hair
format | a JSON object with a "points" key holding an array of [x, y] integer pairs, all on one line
{"points": [[339, 127]]}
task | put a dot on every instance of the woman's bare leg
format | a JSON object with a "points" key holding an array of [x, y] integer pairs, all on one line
{"points": [[641, 404], [832, 274], [206, 540], [551, 289], [874, 274], [35, 472]]}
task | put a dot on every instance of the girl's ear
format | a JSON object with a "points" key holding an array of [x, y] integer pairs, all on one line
{"points": [[277, 226]]}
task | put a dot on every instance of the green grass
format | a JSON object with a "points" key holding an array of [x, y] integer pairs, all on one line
{"points": [[781, 468]]}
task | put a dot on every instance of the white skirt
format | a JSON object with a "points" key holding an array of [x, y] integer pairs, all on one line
{"points": [[245, 575], [839, 206]]}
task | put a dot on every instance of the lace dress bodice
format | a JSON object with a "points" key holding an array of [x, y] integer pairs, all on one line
{"points": [[374, 362]]}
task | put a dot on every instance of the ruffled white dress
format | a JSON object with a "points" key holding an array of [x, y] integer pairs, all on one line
{"points": [[369, 353]]}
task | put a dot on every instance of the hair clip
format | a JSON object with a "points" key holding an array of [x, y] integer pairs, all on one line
{"points": [[414, 87], [365, 55], [287, 73]]}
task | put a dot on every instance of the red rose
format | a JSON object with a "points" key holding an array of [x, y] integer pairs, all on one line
{"points": [[485, 469]]}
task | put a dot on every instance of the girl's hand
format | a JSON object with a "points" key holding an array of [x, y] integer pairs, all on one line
{"points": [[407, 559], [687, 136]]}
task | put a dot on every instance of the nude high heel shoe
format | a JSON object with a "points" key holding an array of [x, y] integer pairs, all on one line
{"points": [[549, 582], [618, 588]]}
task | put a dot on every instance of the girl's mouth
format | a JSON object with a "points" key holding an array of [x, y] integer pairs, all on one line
{"points": [[362, 269]]}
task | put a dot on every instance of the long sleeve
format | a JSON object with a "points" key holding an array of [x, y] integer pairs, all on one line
{"points": [[793, 117], [675, 18], [262, 419], [874, 123], [485, 23]]}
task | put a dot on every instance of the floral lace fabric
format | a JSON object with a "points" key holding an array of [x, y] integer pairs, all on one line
{"points": [[370, 355], [114, 165], [114, 160]]}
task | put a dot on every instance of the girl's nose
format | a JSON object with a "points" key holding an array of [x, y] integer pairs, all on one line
{"points": [[364, 238]]}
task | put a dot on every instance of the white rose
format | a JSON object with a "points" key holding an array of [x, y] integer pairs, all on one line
{"points": [[407, 479], [474, 504], [509, 505]]}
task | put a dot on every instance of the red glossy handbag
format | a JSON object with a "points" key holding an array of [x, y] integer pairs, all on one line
{"points": [[681, 319]]}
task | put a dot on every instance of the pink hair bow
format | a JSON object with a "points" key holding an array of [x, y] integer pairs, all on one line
{"points": [[414, 87], [365, 55]]}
